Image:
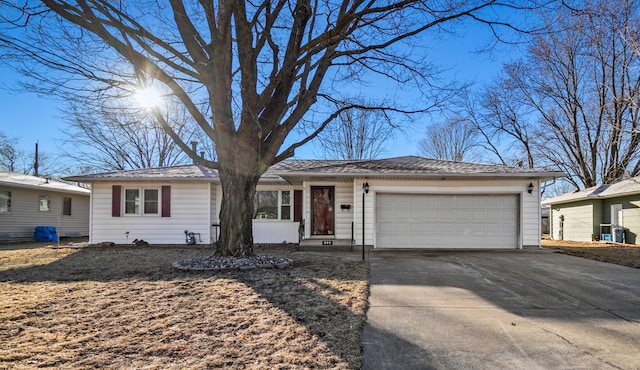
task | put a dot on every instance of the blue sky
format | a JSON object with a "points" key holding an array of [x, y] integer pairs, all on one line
{"points": [[28, 117], [31, 118]]}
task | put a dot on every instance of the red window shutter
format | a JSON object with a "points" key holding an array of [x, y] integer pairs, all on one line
{"points": [[116, 194], [297, 205], [166, 201]]}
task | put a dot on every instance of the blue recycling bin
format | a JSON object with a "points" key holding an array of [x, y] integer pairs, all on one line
{"points": [[45, 234]]}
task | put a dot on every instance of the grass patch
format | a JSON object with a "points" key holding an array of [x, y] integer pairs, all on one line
{"points": [[619, 254], [128, 308]]}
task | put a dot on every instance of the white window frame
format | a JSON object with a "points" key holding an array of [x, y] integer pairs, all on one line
{"points": [[141, 201], [158, 202], [46, 206], [7, 204], [280, 205]]}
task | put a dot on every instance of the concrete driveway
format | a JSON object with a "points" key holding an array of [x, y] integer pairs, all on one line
{"points": [[531, 309]]}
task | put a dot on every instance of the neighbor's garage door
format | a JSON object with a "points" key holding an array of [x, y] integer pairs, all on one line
{"points": [[446, 221]]}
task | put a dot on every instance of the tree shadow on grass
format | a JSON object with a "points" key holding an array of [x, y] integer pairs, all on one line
{"points": [[311, 294], [325, 295]]}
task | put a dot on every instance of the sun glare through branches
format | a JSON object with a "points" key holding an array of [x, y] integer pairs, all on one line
{"points": [[148, 97]]}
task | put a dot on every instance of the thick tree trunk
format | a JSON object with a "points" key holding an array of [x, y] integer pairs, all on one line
{"points": [[236, 211], [239, 171]]}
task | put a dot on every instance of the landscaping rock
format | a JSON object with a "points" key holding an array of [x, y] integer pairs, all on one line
{"points": [[218, 263]]}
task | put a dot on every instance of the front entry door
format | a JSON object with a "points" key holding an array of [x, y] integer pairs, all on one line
{"points": [[322, 206]]}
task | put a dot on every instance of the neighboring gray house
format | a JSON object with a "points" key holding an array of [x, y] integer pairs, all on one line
{"points": [[409, 202], [29, 201], [608, 212]]}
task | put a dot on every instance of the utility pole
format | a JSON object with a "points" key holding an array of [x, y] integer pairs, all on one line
{"points": [[36, 164]]}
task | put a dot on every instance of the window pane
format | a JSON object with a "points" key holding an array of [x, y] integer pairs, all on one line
{"points": [[66, 206], [285, 206], [266, 205], [5, 201], [285, 212], [150, 201], [44, 203], [286, 198], [131, 201]]}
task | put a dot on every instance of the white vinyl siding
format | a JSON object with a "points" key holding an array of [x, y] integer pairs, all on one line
{"points": [[189, 211], [275, 232], [25, 214], [214, 214]]}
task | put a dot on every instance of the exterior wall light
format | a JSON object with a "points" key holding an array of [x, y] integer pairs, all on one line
{"points": [[530, 188]]}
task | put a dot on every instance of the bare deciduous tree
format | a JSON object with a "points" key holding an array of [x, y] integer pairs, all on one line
{"points": [[9, 154], [17, 160], [247, 72], [127, 138], [453, 140], [356, 134], [572, 101]]}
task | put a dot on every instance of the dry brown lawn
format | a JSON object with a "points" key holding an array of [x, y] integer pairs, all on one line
{"points": [[620, 254], [128, 308]]}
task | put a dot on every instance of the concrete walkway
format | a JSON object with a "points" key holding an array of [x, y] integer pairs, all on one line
{"points": [[531, 309]]}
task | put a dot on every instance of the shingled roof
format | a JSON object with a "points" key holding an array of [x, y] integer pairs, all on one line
{"points": [[19, 180], [401, 165], [295, 170], [619, 189], [185, 172]]}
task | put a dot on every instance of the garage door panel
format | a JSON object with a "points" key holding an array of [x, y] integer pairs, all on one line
{"points": [[446, 215], [447, 221], [385, 228], [509, 202], [461, 215], [480, 202], [479, 214], [415, 227]]}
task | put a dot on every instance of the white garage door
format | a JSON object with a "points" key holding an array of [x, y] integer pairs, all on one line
{"points": [[446, 221]]}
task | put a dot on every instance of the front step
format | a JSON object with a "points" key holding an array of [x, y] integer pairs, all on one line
{"points": [[337, 245]]}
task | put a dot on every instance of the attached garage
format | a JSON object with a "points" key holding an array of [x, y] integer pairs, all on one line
{"points": [[447, 221]]}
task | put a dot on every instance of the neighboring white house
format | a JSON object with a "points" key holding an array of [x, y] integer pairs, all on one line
{"points": [[609, 212], [409, 202], [29, 201]]}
